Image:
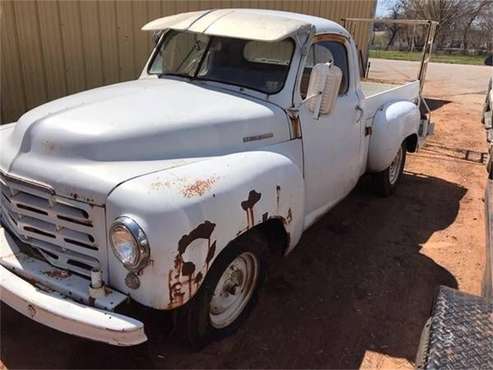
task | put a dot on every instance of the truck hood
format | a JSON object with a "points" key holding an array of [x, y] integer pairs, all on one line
{"points": [[86, 144]]}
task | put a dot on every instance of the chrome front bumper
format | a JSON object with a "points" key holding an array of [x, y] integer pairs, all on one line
{"points": [[41, 292]]}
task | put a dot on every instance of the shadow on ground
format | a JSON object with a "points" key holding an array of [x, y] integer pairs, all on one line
{"points": [[357, 282], [455, 153]]}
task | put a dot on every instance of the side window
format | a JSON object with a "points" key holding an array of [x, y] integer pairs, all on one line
{"points": [[324, 52]]}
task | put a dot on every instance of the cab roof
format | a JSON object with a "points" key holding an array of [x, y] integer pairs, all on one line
{"points": [[252, 24]]}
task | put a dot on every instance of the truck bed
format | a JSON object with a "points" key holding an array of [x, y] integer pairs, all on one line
{"points": [[371, 88], [379, 93]]}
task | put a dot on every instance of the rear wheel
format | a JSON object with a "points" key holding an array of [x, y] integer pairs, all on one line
{"points": [[386, 181], [227, 294]]}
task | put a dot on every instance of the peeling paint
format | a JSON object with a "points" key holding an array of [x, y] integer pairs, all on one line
{"points": [[265, 217], [278, 196], [247, 205], [185, 277], [289, 217], [57, 274], [189, 190]]}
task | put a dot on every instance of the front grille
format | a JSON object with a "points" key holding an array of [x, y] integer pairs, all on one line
{"points": [[62, 230]]}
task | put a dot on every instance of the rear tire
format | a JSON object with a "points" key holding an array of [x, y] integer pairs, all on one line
{"points": [[228, 293], [385, 182]]}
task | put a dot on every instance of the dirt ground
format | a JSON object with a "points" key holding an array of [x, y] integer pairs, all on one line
{"points": [[357, 290]]}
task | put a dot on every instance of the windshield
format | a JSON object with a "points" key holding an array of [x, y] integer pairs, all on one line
{"points": [[257, 65]]}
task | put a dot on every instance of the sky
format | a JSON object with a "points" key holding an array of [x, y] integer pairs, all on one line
{"points": [[383, 6]]}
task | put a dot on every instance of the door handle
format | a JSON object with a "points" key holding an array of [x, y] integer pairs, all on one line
{"points": [[360, 113]]}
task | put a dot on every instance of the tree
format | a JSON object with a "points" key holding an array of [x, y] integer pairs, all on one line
{"points": [[456, 17], [460, 21], [446, 12], [485, 26], [395, 13], [472, 10]]}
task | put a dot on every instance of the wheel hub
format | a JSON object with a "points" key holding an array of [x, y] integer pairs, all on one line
{"points": [[235, 281], [233, 290]]}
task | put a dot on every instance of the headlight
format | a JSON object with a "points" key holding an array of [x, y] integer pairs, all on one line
{"points": [[129, 243]]}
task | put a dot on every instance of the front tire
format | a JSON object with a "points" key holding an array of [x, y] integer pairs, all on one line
{"points": [[227, 294], [385, 182]]}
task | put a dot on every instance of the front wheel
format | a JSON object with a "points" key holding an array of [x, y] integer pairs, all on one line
{"points": [[386, 181], [227, 294]]}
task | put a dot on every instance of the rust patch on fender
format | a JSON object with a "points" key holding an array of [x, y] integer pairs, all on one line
{"points": [[203, 231], [57, 274], [185, 277], [289, 217], [247, 205], [199, 187], [278, 196]]}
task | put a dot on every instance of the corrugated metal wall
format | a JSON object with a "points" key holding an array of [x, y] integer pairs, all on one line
{"points": [[54, 48]]}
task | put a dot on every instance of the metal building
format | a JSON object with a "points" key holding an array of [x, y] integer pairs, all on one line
{"points": [[55, 48]]}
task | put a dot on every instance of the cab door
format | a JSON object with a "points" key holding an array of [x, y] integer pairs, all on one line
{"points": [[332, 143]]}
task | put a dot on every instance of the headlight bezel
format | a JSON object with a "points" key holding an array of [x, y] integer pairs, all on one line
{"points": [[140, 241]]}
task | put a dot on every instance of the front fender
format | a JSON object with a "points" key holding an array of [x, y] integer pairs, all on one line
{"points": [[191, 213], [392, 124]]}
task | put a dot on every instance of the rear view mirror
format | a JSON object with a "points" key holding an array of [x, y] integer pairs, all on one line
{"points": [[323, 88]]}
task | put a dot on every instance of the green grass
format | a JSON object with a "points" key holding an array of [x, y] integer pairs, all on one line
{"points": [[438, 58]]}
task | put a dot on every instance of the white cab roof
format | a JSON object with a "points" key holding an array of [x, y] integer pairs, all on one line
{"points": [[252, 24]]}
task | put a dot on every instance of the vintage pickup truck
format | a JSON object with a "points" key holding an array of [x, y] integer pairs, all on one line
{"points": [[175, 190]]}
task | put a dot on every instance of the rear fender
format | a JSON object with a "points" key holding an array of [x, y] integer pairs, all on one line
{"points": [[392, 124], [191, 213]]}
